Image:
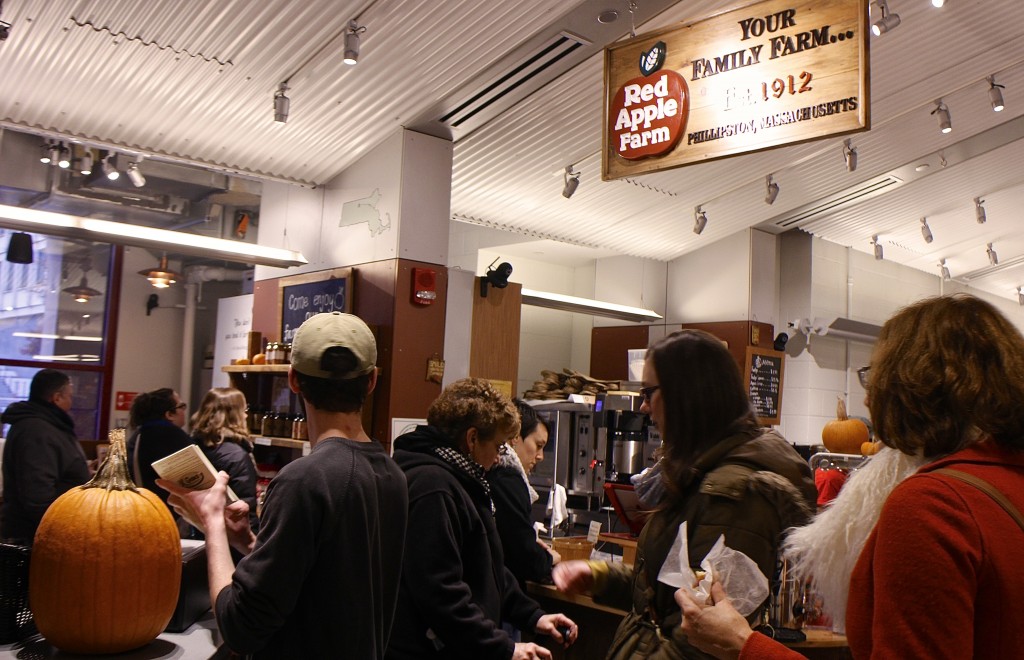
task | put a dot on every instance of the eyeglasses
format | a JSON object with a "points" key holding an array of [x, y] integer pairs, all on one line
{"points": [[648, 392], [181, 406], [864, 376]]}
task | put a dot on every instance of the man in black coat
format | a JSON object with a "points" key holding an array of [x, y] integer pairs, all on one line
{"points": [[42, 456]]}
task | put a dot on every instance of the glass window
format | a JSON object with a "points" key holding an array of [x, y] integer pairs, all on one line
{"points": [[85, 406]]}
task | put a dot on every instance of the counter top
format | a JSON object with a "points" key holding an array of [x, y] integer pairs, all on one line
{"points": [[201, 640]]}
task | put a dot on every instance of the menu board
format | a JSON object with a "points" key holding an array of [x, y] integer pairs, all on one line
{"points": [[763, 370], [302, 296]]}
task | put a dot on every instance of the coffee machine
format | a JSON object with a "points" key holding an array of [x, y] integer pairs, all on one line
{"points": [[625, 431], [575, 456]]}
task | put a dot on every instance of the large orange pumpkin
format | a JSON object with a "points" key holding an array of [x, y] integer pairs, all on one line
{"points": [[106, 563], [843, 435]]}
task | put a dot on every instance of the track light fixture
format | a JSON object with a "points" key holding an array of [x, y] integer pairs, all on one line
{"points": [[849, 155], [1020, 297], [771, 190], [85, 163], [877, 247], [700, 220], [108, 168], [351, 56], [63, 159], [995, 96], [48, 153], [942, 112], [938, 3], [926, 231], [281, 104], [572, 182], [887, 21], [134, 175], [979, 210], [5, 27], [993, 258], [944, 271]]}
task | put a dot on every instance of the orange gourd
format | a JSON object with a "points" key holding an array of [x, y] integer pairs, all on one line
{"points": [[106, 563], [870, 448], [843, 435]]}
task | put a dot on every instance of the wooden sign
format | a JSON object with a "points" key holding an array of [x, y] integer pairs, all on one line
{"points": [[302, 296], [770, 74], [763, 375]]}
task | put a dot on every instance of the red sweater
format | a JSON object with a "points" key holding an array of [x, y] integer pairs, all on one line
{"points": [[941, 575]]}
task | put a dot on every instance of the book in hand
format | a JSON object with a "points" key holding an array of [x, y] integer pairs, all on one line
{"points": [[189, 468]]}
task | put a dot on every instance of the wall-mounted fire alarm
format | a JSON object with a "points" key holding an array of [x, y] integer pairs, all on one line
{"points": [[424, 286]]}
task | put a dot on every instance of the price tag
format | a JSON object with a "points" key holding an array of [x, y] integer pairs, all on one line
{"points": [[260, 440], [594, 531]]}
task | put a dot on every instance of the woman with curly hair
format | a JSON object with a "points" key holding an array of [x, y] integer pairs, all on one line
{"points": [[720, 472], [923, 563], [219, 427], [455, 588]]}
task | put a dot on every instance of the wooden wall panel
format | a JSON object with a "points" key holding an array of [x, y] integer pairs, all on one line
{"points": [[608, 346], [494, 353], [739, 335]]}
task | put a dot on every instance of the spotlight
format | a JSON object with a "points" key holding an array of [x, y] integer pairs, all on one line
{"points": [[85, 162], [942, 112], [877, 247], [944, 271], [772, 190], [5, 30], [850, 156], [134, 175], [938, 3], [926, 231], [979, 210], [993, 258], [108, 168], [1020, 297], [47, 156], [572, 182], [887, 22], [19, 250], [63, 159], [700, 220], [995, 96], [351, 56], [281, 104]]}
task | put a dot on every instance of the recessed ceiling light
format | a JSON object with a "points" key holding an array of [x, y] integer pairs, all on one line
{"points": [[922, 167], [609, 16]]}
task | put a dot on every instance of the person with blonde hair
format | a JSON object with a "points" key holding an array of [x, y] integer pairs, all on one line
{"points": [[219, 428], [938, 574], [455, 589]]}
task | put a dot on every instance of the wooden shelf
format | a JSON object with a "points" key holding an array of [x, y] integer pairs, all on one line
{"points": [[290, 443], [256, 369]]}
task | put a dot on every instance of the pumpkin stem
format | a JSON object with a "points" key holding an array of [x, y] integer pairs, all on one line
{"points": [[841, 409], [113, 473]]}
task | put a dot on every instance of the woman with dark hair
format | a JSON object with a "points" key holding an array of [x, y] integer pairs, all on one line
{"points": [[156, 420], [220, 429], [526, 556], [937, 574], [722, 474], [455, 588]]}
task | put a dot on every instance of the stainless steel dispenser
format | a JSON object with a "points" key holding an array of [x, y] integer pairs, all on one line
{"points": [[624, 429]]}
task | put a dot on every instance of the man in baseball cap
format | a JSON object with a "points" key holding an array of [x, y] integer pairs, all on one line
{"points": [[321, 578]]}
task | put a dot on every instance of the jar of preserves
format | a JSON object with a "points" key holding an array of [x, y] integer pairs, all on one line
{"points": [[286, 353], [273, 353]]}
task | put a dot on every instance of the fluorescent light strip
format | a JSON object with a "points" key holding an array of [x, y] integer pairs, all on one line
{"points": [[588, 306], [71, 226], [34, 335], [81, 338]]}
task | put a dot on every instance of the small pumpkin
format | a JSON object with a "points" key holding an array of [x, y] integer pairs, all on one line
{"points": [[106, 563], [844, 435], [870, 448]]}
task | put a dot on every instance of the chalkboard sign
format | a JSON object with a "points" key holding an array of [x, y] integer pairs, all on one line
{"points": [[302, 296], [763, 375]]}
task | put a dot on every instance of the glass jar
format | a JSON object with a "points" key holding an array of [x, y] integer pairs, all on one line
{"points": [[273, 353], [286, 353]]}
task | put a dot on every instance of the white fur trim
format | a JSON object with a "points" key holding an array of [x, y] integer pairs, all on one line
{"points": [[511, 459]]}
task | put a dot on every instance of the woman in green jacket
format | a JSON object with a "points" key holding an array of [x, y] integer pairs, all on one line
{"points": [[720, 472]]}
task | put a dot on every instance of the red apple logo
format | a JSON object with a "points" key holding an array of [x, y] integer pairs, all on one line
{"points": [[648, 115]]}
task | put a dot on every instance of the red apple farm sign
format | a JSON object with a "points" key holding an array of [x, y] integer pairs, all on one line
{"points": [[769, 74]]}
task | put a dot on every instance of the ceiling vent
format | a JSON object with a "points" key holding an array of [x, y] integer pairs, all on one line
{"points": [[808, 213]]}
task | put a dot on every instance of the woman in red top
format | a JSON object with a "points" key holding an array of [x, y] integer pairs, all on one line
{"points": [[940, 575]]}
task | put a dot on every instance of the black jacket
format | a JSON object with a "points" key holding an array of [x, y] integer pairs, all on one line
{"points": [[454, 581], [235, 458], [513, 514], [42, 460], [155, 440]]}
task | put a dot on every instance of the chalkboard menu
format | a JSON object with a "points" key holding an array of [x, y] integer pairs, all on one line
{"points": [[302, 296], [763, 375]]}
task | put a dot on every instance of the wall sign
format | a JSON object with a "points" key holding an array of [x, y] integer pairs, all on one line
{"points": [[770, 74], [763, 375], [302, 296]]}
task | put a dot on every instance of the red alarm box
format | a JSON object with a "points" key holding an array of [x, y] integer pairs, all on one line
{"points": [[424, 286]]}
